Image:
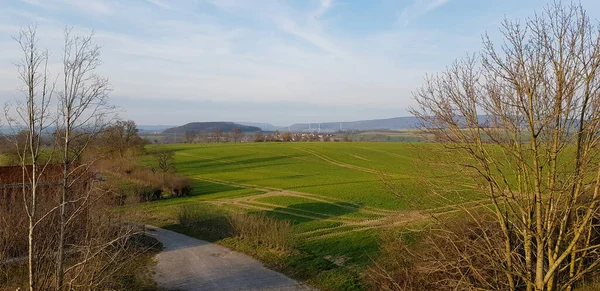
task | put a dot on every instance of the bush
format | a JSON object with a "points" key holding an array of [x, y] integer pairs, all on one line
{"points": [[177, 185], [172, 184], [129, 183], [148, 193], [124, 192]]}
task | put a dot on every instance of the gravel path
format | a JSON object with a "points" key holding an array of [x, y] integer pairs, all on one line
{"points": [[188, 264]]}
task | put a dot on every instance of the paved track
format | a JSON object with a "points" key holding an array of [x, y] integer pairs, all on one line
{"points": [[189, 264]]}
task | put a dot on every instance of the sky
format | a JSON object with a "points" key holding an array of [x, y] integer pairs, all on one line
{"points": [[278, 62]]}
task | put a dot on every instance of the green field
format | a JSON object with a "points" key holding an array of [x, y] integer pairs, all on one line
{"points": [[386, 136], [331, 192]]}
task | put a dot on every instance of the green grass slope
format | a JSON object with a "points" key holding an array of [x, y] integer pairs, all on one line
{"points": [[331, 193]]}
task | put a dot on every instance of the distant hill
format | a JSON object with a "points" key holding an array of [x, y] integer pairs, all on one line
{"points": [[263, 126], [153, 128], [396, 123], [198, 127]]}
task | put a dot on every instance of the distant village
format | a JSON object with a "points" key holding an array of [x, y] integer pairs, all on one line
{"points": [[237, 135]]}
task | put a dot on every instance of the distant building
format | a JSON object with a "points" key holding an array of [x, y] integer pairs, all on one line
{"points": [[14, 178], [15, 184]]}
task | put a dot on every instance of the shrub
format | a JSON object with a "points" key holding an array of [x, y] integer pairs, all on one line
{"points": [[177, 185], [124, 192], [129, 183], [148, 193], [172, 184]]}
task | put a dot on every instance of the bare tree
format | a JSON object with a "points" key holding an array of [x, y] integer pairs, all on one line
{"points": [[286, 136], [83, 113], [121, 138], [32, 119], [165, 160], [190, 136], [218, 135], [258, 136], [236, 134], [525, 116]]}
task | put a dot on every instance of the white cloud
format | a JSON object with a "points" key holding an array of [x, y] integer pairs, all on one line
{"points": [[96, 7], [436, 4], [312, 37], [160, 4], [89, 6], [324, 6], [419, 8]]}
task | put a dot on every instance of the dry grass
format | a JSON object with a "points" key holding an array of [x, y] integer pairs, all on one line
{"points": [[254, 229], [451, 255], [260, 229]]}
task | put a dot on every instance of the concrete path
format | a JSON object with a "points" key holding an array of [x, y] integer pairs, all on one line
{"points": [[188, 264]]}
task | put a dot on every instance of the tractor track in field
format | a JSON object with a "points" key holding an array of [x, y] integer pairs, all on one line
{"points": [[359, 157], [224, 161], [337, 163], [263, 208], [307, 212], [403, 218], [386, 152], [383, 218], [279, 155], [270, 191]]}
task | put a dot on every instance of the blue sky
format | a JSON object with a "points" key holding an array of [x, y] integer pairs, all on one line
{"points": [[172, 62]]}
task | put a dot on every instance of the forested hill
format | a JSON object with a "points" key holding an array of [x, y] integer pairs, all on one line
{"points": [[198, 127]]}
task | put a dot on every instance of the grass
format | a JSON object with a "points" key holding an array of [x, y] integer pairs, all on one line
{"points": [[4, 160], [330, 193], [337, 170]]}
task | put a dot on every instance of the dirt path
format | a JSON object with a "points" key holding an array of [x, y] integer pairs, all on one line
{"points": [[188, 264]]}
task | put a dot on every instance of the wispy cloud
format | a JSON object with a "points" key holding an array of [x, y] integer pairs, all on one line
{"points": [[417, 9], [37, 3], [304, 26], [436, 4], [88, 6], [160, 4], [323, 7], [310, 36]]}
